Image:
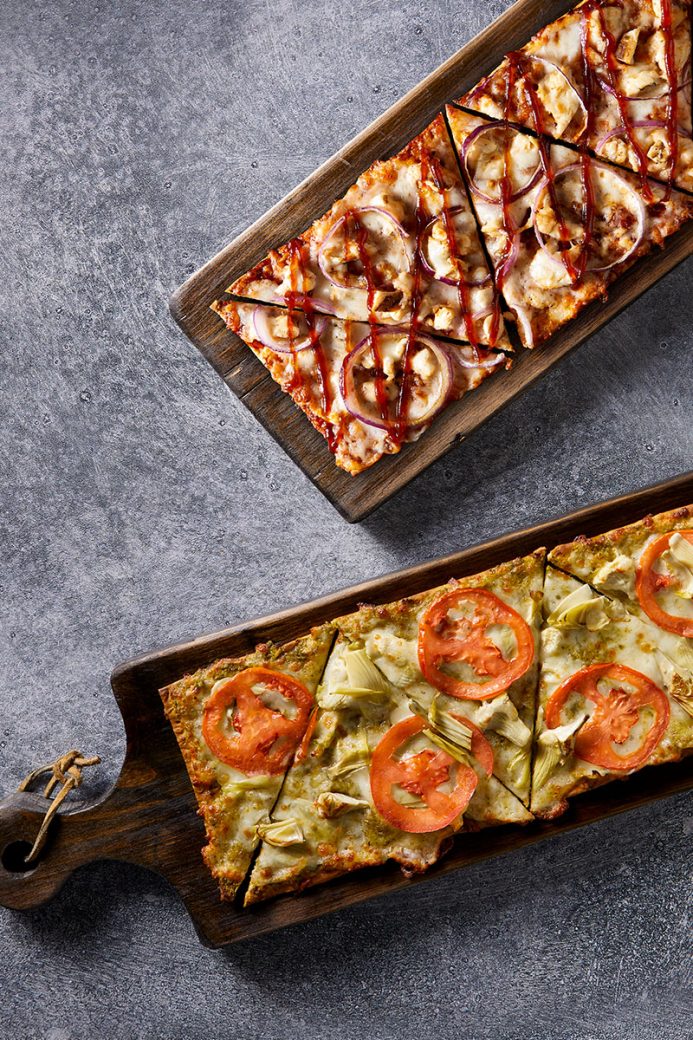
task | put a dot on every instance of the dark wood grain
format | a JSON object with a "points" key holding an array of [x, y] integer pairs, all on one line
{"points": [[356, 497], [149, 817]]}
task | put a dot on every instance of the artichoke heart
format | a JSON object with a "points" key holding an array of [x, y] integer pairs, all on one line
{"points": [[679, 686], [364, 679], [617, 575], [333, 803], [678, 560], [444, 724], [249, 783], [454, 750], [554, 746], [354, 758], [280, 832], [519, 766], [500, 715], [583, 607]]}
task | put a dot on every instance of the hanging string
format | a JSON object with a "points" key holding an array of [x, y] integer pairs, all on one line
{"points": [[65, 771]]}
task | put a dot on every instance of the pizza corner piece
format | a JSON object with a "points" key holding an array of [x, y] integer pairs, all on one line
{"points": [[559, 225], [400, 248], [648, 565], [238, 723], [615, 694], [424, 729], [611, 77], [367, 389]]}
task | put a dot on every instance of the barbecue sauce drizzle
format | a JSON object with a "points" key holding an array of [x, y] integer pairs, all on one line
{"points": [[575, 270], [361, 238], [506, 188], [515, 64], [404, 396], [296, 267], [673, 97], [463, 287], [622, 101], [612, 69]]}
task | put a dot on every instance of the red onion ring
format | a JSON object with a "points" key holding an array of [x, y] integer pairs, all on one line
{"points": [[322, 261], [424, 260], [511, 259], [639, 207], [356, 407], [477, 132], [470, 360], [261, 326], [639, 124]]}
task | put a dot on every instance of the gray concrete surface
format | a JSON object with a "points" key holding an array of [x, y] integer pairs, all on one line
{"points": [[141, 504]]}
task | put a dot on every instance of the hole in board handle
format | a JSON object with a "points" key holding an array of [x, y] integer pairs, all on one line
{"points": [[14, 855]]}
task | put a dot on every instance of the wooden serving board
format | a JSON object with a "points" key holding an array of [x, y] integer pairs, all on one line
{"points": [[149, 816], [356, 497]]}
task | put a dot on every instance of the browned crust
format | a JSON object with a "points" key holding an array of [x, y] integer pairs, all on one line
{"points": [[587, 783], [583, 550], [514, 573], [337, 864], [309, 403]]}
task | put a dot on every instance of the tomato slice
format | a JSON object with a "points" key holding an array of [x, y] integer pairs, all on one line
{"points": [[444, 639], [420, 774], [616, 713], [648, 582], [242, 731]]}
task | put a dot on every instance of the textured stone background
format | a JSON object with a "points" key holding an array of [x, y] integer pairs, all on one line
{"points": [[141, 504]]}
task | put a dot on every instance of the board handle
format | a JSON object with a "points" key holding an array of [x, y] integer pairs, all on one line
{"points": [[124, 825]]}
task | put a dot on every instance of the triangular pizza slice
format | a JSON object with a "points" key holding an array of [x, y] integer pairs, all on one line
{"points": [[611, 698], [559, 226], [367, 389], [647, 565], [612, 77], [424, 728], [238, 723], [399, 248]]}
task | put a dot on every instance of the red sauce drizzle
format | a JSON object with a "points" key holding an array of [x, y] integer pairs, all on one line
{"points": [[612, 70], [463, 288], [295, 262], [588, 187], [575, 270], [673, 98], [506, 188], [361, 238], [296, 267], [404, 396]]}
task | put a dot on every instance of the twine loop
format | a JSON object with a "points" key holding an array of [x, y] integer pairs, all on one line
{"points": [[65, 771]]}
